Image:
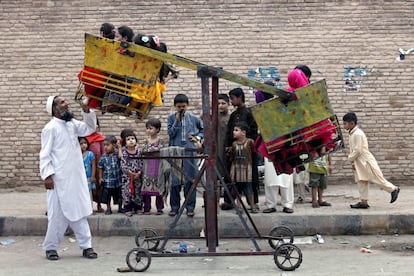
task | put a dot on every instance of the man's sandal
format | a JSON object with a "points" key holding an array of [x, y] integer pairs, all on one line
{"points": [[89, 253], [52, 255], [359, 205]]}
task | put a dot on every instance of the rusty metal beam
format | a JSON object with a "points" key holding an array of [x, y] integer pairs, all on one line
{"points": [[220, 73]]}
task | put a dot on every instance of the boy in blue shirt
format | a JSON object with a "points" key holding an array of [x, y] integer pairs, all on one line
{"points": [[110, 173], [183, 126]]}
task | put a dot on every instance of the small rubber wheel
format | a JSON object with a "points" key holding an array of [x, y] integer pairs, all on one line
{"points": [[146, 238], [138, 259], [287, 257], [280, 235]]}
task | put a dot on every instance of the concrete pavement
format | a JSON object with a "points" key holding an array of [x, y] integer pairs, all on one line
{"points": [[23, 213], [391, 255]]}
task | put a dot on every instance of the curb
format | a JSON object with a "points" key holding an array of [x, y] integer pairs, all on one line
{"points": [[229, 226]]}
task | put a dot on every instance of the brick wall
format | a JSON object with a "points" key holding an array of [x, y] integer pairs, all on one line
{"points": [[42, 51]]}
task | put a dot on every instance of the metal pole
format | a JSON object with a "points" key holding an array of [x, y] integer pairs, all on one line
{"points": [[210, 203], [212, 161]]}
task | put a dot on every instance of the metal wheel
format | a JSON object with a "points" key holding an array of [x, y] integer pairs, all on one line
{"points": [[138, 259], [146, 238], [280, 235], [287, 257]]}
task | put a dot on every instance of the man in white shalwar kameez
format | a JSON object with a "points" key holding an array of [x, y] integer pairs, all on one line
{"points": [[272, 184], [62, 169]]}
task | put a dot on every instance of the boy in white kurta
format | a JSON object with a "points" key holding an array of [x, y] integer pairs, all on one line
{"points": [[365, 166], [63, 172]]}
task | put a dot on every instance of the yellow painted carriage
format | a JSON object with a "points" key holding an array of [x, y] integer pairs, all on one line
{"points": [[116, 80]]}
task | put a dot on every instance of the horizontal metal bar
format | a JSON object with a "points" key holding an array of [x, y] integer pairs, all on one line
{"points": [[169, 157], [211, 254]]}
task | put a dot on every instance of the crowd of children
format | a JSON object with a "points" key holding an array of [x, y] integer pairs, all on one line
{"points": [[120, 176], [129, 177]]}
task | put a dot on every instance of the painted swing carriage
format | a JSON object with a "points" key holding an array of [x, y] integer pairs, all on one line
{"points": [[298, 131], [116, 80]]}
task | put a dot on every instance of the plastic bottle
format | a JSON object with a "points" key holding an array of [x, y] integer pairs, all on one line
{"points": [[175, 248], [184, 248], [192, 249]]}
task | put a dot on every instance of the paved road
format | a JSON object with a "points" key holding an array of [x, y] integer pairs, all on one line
{"points": [[339, 255]]}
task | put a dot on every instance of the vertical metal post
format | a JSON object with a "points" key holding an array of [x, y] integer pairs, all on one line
{"points": [[212, 161], [210, 203]]}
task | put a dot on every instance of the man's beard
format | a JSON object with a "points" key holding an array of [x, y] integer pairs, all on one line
{"points": [[65, 114]]}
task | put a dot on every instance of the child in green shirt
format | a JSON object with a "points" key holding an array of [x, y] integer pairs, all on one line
{"points": [[318, 179]]}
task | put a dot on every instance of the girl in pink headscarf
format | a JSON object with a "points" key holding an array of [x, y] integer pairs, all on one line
{"points": [[319, 134], [296, 79]]}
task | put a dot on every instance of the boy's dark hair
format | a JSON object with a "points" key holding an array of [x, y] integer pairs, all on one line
{"points": [[180, 98], [126, 133], [305, 69], [126, 31], [111, 139], [224, 97], [107, 30], [84, 138], [350, 117], [237, 92], [243, 126], [154, 123]]}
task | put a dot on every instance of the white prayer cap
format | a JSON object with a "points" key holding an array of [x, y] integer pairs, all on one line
{"points": [[49, 105]]}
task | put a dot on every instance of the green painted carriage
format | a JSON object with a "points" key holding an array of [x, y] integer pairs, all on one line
{"points": [[305, 128]]}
